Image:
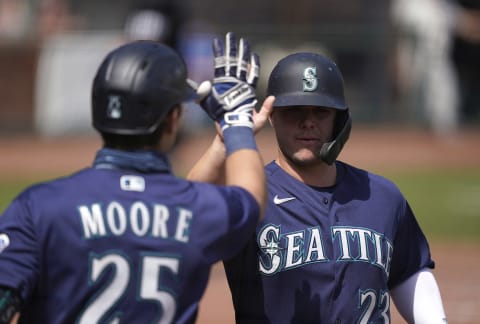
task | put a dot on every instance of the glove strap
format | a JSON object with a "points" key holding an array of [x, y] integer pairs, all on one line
{"points": [[235, 94], [242, 116]]}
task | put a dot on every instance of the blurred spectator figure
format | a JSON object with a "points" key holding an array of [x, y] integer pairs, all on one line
{"points": [[426, 78], [158, 20], [466, 59], [15, 17], [195, 45], [54, 16], [167, 21]]}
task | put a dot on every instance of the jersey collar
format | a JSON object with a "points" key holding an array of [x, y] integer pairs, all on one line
{"points": [[141, 161]]}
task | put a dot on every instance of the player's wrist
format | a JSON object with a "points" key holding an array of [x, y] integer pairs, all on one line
{"points": [[10, 303], [238, 138]]}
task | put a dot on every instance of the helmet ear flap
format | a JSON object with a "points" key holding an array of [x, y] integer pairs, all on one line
{"points": [[343, 125]]}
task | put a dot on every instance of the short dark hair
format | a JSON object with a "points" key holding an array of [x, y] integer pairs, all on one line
{"points": [[132, 142]]}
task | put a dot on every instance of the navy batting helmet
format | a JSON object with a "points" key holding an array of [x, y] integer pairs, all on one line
{"points": [[309, 79], [136, 86]]}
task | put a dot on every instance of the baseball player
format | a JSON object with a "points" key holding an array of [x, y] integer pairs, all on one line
{"points": [[125, 241], [337, 243]]}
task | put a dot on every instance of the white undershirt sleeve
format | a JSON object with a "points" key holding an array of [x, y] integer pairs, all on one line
{"points": [[418, 299]]}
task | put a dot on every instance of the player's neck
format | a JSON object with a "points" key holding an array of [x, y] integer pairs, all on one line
{"points": [[318, 174]]}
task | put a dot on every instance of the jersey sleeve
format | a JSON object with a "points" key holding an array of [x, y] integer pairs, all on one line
{"points": [[233, 222], [411, 249], [18, 247]]}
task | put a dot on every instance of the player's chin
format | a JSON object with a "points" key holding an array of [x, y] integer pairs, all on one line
{"points": [[305, 157]]}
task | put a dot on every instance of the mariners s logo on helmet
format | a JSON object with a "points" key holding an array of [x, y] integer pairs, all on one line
{"points": [[114, 110], [310, 82]]}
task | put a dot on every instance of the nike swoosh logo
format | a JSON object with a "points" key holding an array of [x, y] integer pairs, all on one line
{"points": [[278, 201]]}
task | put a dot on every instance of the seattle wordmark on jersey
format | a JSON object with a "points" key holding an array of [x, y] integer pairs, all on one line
{"points": [[307, 246]]}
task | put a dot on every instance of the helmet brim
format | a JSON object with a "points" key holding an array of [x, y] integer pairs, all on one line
{"points": [[308, 99], [191, 91]]}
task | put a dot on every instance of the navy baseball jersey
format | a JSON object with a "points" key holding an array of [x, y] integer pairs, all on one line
{"points": [[124, 241], [327, 255]]}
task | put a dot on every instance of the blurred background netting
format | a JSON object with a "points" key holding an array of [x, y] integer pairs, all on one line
{"points": [[405, 62]]}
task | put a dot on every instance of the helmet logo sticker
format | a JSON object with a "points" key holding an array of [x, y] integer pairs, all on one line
{"points": [[114, 110], [310, 82]]}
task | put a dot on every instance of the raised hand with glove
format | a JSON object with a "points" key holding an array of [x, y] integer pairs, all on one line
{"points": [[231, 99]]}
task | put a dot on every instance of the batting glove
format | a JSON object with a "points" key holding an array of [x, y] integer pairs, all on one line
{"points": [[232, 97]]}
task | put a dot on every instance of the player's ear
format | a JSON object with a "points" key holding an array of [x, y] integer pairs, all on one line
{"points": [[172, 120], [270, 118], [170, 128]]}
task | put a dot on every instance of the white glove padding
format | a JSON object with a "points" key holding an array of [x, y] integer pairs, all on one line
{"points": [[232, 98]]}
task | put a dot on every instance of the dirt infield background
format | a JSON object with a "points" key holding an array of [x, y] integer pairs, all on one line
{"points": [[377, 149]]}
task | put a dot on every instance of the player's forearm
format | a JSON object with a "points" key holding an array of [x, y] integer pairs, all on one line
{"points": [[15, 318], [211, 166], [244, 168], [418, 299]]}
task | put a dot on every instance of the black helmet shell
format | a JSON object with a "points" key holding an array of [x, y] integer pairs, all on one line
{"points": [[135, 87], [307, 79]]}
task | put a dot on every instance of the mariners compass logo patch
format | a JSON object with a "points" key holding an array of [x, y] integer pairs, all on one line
{"points": [[4, 242], [310, 82]]}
